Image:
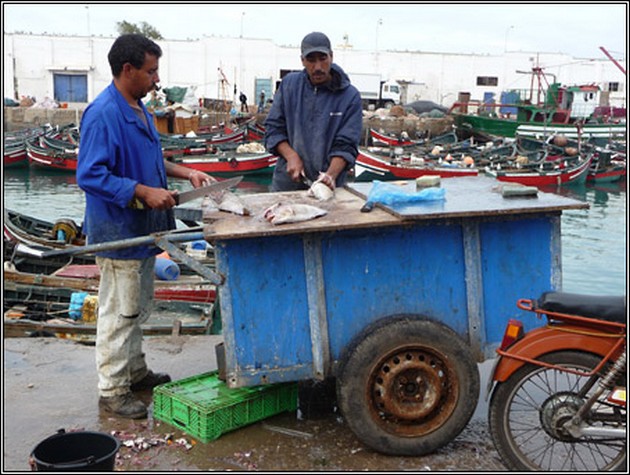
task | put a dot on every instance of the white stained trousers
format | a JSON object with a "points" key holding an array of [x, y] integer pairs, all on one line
{"points": [[125, 299]]}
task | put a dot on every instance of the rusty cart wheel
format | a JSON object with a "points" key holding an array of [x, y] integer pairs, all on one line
{"points": [[408, 387]]}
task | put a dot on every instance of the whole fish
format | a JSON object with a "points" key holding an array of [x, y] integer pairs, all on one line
{"points": [[320, 191], [282, 213], [225, 201]]}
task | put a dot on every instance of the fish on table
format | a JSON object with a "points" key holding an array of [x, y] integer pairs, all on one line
{"points": [[320, 191], [281, 213], [225, 201]]}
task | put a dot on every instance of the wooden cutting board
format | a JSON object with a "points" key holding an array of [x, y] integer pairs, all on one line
{"points": [[343, 212]]}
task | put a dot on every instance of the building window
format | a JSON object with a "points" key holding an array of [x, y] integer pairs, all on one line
{"points": [[487, 81], [613, 86]]}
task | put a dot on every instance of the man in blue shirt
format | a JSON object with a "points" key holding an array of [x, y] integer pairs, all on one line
{"points": [[315, 121], [120, 165]]}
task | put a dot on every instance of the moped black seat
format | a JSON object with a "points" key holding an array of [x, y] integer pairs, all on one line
{"points": [[603, 307]]}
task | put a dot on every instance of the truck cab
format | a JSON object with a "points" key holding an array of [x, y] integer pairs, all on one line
{"points": [[374, 90], [390, 93]]}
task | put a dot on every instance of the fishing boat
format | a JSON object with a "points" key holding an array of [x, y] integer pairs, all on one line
{"points": [[14, 155], [608, 166], [27, 235], [374, 163], [570, 111], [380, 139], [237, 135], [80, 272], [36, 232], [255, 131], [227, 135], [40, 233], [44, 156], [225, 164], [67, 313], [15, 145], [562, 171], [85, 277], [56, 149]]}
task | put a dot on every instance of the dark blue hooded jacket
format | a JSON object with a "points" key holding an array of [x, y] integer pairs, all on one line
{"points": [[319, 122]]}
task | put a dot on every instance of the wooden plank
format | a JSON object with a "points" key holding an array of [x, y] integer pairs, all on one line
{"points": [[23, 327], [466, 197], [344, 212]]}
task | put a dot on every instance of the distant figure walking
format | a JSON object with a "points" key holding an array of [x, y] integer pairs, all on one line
{"points": [[243, 99], [261, 102]]}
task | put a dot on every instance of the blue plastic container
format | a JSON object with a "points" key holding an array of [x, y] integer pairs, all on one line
{"points": [[200, 245], [76, 304], [166, 269]]}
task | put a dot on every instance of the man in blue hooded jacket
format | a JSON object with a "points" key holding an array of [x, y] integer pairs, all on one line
{"points": [[315, 121], [123, 173]]}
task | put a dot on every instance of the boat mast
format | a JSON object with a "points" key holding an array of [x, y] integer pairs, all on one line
{"points": [[613, 60]]}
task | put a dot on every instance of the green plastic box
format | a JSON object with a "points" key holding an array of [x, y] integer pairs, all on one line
{"points": [[205, 408]]}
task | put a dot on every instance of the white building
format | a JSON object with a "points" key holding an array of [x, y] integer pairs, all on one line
{"points": [[75, 69]]}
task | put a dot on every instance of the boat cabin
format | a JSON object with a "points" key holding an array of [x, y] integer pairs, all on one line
{"points": [[563, 105]]}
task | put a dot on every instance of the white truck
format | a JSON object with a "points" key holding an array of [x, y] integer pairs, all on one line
{"points": [[375, 90]]}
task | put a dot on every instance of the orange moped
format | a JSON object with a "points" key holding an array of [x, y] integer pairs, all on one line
{"points": [[558, 392]]}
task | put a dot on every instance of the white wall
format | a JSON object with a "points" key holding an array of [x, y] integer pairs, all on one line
{"points": [[31, 59]]}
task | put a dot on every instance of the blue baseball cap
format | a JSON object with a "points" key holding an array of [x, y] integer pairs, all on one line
{"points": [[315, 42]]}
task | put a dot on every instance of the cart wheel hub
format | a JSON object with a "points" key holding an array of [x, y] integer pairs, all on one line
{"points": [[411, 386]]}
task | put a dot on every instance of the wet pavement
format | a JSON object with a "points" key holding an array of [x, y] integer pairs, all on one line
{"points": [[50, 384]]}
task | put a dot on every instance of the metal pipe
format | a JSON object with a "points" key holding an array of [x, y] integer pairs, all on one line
{"points": [[151, 239]]}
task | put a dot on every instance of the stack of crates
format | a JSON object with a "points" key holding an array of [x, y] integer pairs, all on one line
{"points": [[205, 408]]}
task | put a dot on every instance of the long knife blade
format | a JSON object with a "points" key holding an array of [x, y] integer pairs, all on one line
{"points": [[206, 190]]}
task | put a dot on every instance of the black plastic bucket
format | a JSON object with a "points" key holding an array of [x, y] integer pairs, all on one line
{"points": [[76, 452]]}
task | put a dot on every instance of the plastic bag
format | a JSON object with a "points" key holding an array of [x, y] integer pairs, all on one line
{"points": [[388, 194]]}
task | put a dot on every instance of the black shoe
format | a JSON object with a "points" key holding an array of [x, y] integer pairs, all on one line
{"points": [[150, 381], [125, 405]]}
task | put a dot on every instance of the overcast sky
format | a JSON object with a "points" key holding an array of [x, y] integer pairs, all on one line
{"points": [[577, 28]]}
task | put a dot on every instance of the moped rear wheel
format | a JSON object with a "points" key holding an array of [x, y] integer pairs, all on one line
{"points": [[527, 412]]}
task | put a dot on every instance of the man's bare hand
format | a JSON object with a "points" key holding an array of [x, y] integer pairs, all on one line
{"points": [[156, 198], [295, 168], [159, 198], [198, 178]]}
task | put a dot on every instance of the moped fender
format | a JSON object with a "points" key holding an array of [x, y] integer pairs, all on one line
{"points": [[548, 340]]}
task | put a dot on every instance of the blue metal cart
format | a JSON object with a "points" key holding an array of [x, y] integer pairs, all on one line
{"points": [[398, 304]]}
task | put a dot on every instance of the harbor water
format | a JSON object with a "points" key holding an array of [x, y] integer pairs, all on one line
{"points": [[594, 240]]}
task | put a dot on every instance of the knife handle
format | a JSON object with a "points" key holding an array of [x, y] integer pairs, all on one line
{"points": [[136, 203], [367, 207]]}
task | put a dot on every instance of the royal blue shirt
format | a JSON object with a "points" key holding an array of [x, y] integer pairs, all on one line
{"points": [[118, 151], [319, 122]]}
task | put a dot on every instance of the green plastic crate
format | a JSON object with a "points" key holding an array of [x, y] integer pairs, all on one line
{"points": [[204, 407]]}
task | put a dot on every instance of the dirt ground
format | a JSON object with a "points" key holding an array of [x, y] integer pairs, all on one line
{"points": [[50, 384]]}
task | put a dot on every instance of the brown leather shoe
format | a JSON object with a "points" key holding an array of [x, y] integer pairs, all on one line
{"points": [[125, 405], [150, 381]]}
